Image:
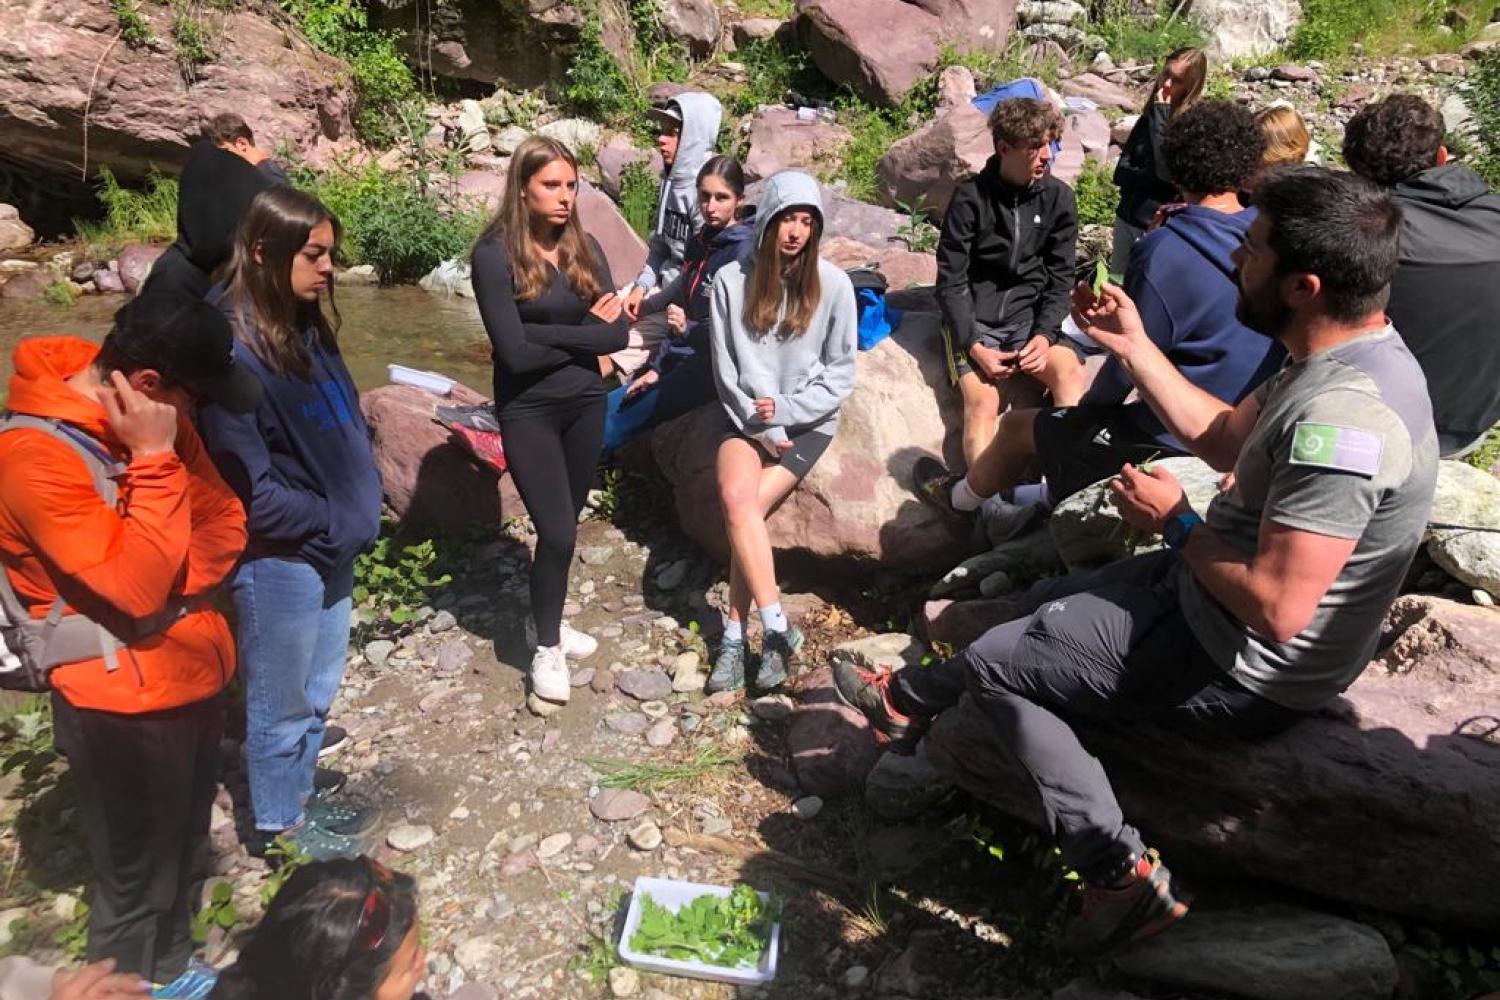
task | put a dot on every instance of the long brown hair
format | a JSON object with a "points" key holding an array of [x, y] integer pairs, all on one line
{"points": [[1285, 135], [1194, 76], [795, 285], [575, 254], [267, 316]]}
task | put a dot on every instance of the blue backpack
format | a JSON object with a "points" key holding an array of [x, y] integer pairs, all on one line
{"points": [[876, 319], [1024, 87]]}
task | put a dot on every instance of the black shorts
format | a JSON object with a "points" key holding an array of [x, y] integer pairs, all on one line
{"points": [[959, 363], [1080, 445], [807, 447]]}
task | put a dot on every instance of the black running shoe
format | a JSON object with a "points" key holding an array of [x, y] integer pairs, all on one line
{"points": [[933, 484], [866, 689]]}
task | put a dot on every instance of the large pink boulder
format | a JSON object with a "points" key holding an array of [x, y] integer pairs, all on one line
{"points": [[882, 48], [135, 263], [778, 141], [62, 58], [902, 268], [430, 479], [829, 745], [926, 167], [855, 510], [1389, 799], [1101, 91]]}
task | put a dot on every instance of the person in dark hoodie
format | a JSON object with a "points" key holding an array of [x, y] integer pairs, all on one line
{"points": [[688, 131], [1005, 268], [213, 194], [302, 464], [1445, 301], [1182, 279], [679, 376], [1141, 173]]}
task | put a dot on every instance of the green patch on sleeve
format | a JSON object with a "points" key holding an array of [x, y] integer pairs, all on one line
{"points": [[1343, 449]]}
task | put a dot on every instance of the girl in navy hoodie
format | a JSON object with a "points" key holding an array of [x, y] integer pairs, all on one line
{"points": [[301, 462], [679, 375]]}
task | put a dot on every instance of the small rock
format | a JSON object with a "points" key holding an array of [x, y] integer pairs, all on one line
{"points": [[378, 651], [582, 677], [855, 977], [524, 842], [541, 706], [1483, 598], [723, 699], [595, 555], [552, 846], [624, 981], [603, 681], [688, 722], [661, 734], [1256, 74], [518, 863], [646, 837], [670, 576], [629, 723], [807, 807], [717, 826], [614, 805], [408, 837], [1293, 73], [474, 953], [687, 678], [459, 813], [654, 709], [645, 685], [453, 655], [442, 622], [586, 588], [772, 708]]}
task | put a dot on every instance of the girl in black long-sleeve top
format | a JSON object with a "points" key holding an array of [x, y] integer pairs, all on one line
{"points": [[535, 274]]}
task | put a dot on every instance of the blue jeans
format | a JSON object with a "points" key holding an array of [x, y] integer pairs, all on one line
{"points": [[293, 638], [686, 386]]}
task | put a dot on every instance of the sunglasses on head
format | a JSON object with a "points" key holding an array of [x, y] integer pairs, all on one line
{"points": [[375, 914]]}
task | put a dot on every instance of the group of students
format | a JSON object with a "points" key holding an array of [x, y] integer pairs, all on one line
{"points": [[215, 438]]}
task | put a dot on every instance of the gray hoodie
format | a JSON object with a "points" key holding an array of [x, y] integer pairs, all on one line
{"points": [[808, 377], [677, 215]]}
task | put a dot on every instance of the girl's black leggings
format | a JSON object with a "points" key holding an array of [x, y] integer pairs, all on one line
{"points": [[552, 458]]}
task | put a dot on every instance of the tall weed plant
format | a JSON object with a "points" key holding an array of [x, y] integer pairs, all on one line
{"points": [[131, 215], [382, 80], [1484, 102], [1329, 28], [1132, 37]]}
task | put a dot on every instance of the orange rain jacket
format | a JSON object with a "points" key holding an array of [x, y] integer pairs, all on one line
{"points": [[177, 531]]}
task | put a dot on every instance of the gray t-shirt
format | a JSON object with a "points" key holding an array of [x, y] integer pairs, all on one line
{"points": [[1344, 446]]}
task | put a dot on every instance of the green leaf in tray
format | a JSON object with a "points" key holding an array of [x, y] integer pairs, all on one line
{"points": [[728, 930], [1101, 275]]}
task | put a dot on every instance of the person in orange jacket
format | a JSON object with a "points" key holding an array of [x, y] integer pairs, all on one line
{"points": [[140, 723]]}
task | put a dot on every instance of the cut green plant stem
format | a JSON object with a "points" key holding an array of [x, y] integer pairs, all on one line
{"points": [[728, 930], [646, 777]]}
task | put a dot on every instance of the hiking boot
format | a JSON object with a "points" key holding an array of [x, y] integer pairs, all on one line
{"points": [[1003, 520], [576, 645], [310, 839], [550, 679], [776, 652], [866, 689], [933, 484], [1114, 916], [332, 737], [343, 819], [328, 781], [729, 668]]}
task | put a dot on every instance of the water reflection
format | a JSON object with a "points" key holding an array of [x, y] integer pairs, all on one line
{"points": [[381, 325]]}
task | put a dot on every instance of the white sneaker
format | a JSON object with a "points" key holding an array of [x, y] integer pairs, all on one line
{"points": [[550, 679], [577, 645]]}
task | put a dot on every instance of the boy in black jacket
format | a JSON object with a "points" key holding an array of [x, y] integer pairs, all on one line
{"points": [[1005, 270]]}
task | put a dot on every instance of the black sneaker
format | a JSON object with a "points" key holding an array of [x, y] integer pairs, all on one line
{"points": [[1115, 916], [332, 737], [933, 484], [776, 652], [866, 689], [729, 668], [327, 781]]}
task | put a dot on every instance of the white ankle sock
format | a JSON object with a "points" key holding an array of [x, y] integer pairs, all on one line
{"points": [[963, 497], [773, 618], [734, 630]]}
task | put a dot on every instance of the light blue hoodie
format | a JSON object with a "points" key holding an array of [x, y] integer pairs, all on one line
{"points": [[809, 376], [677, 213]]}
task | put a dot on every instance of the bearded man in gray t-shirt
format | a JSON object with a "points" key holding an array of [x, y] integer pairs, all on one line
{"points": [[1253, 616]]}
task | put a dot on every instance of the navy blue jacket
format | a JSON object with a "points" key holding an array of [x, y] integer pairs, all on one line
{"points": [[1182, 281], [707, 250], [301, 462]]}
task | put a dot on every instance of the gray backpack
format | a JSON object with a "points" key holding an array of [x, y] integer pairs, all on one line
{"points": [[31, 647]]}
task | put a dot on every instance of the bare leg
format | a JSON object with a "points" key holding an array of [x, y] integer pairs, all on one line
{"points": [[981, 411], [748, 491], [1063, 375], [1008, 455]]}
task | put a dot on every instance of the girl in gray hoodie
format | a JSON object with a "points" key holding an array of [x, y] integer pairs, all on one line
{"points": [[783, 333]]}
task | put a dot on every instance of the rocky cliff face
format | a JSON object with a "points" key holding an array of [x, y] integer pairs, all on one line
{"points": [[519, 43], [62, 65]]}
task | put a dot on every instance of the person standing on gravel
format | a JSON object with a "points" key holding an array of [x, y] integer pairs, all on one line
{"points": [[302, 464], [544, 293], [784, 327], [1253, 616]]}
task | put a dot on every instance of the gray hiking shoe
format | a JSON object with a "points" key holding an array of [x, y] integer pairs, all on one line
{"points": [[729, 669], [776, 653], [342, 819]]}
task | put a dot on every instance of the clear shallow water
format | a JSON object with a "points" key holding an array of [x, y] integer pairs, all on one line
{"points": [[403, 325]]}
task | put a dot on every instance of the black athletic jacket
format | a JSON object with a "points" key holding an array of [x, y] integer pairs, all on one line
{"points": [[1141, 173], [1006, 256], [1445, 299]]}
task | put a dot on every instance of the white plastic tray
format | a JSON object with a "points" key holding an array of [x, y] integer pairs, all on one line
{"points": [[672, 894], [431, 381]]}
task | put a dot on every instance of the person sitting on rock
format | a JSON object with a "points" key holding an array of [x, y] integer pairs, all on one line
{"points": [[1181, 277], [1252, 617], [1446, 294], [1005, 264], [344, 930], [784, 327], [229, 132], [679, 377], [1141, 172], [689, 130]]}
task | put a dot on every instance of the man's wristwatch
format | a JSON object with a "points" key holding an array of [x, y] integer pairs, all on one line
{"points": [[1176, 529]]}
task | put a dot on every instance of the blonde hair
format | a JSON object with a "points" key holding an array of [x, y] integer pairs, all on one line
{"points": [[1285, 136], [1195, 75], [575, 253], [796, 285]]}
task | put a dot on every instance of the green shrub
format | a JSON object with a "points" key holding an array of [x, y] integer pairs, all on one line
{"points": [[393, 580], [639, 192], [597, 86], [1329, 28], [382, 80], [135, 31], [1484, 102], [1097, 195], [189, 39], [1138, 38], [874, 131], [59, 293], [131, 215], [774, 66]]}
